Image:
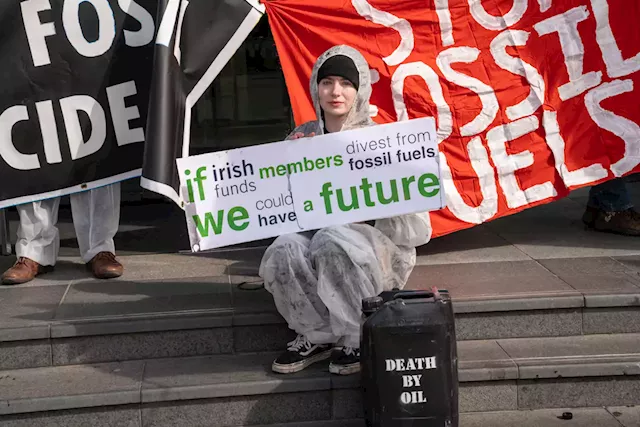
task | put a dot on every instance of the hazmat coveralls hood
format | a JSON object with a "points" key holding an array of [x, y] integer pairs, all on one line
{"points": [[358, 116], [318, 279]]}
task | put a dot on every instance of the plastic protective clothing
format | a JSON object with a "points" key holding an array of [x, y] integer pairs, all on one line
{"points": [[96, 214], [318, 279]]}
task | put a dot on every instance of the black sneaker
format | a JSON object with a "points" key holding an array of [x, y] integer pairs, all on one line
{"points": [[345, 361], [300, 354]]}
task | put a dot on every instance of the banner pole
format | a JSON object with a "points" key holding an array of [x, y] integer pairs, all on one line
{"points": [[5, 243]]}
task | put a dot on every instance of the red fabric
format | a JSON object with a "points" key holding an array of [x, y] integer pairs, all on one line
{"points": [[303, 29]]}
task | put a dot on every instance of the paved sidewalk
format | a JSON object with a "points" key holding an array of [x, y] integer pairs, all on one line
{"points": [[592, 417], [542, 252]]}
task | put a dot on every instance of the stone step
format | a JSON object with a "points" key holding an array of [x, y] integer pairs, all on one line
{"points": [[235, 390], [623, 416], [147, 319], [172, 305]]}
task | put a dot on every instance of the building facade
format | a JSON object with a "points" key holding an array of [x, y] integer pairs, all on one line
{"points": [[248, 103]]}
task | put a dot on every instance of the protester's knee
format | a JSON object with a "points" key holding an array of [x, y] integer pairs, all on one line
{"points": [[289, 242], [326, 243], [285, 249]]}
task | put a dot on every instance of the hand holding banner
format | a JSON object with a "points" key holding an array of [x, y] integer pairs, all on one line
{"points": [[286, 187]]}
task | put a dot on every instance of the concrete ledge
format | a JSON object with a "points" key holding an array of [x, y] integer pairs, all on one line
{"points": [[56, 403], [58, 388], [593, 417], [326, 423], [612, 300], [36, 332], [248, 388], [541, 302], [131, 416], [490, 372], [263, 313], [579, 368], [142, 323], [580, 392], [582, 417], [498, 370], [476, 396]]}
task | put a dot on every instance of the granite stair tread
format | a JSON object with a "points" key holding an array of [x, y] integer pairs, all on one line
{"points": [[224, 376], [580, 417], [119, 307], [148, 320]]}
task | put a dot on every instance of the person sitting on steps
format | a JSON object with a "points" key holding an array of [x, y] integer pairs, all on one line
{"points": [[318, 279]]}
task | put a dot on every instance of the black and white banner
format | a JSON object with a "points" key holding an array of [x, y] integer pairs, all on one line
{"points": [[211, 32], [89, 87]]}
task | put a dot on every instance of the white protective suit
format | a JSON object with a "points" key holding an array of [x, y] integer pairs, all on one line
{"points": [[318, 279], [96, 214]]}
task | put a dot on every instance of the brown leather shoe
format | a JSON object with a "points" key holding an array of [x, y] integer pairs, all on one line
{"points": [[23, 271], [105, 266], [625, 222]]}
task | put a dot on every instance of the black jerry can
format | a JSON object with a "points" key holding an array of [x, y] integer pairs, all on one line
{"points": [[409, 360]]}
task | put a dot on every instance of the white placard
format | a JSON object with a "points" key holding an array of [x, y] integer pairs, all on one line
{"points": [[285, 187]]}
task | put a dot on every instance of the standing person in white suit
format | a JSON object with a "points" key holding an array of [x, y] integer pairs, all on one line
{"points": [[318, 279], [96, 215]]}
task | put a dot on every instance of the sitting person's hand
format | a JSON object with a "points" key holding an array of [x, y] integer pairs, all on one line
{"points": [[299, 135]]}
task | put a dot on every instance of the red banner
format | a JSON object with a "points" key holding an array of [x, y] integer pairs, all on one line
{"points": [[532, 98]]}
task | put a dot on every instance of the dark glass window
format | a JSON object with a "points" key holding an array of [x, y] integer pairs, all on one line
{"points": [[248, 103]]}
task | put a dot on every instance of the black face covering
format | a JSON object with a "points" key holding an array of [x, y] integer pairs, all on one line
{"points": [[340, 66]]}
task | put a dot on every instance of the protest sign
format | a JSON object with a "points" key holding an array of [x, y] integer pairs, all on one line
{"points": [[74, 98], [86, 83], [532, 98], [200, 39], [286, 187]]}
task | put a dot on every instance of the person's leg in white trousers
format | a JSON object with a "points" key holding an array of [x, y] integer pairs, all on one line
{"points": [[96, 215], [38, 236]]}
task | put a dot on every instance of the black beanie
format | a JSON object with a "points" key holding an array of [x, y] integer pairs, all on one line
{"points": [[341, 66]]}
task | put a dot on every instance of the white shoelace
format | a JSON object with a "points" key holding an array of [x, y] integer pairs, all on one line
{"points": [[298, 343], [351, 351]]}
